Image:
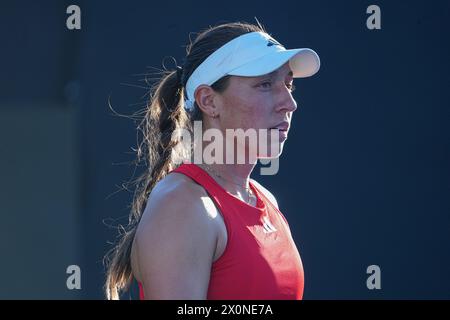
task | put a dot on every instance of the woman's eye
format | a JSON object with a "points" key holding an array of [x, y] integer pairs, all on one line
{"points": [[266, 84], [291, 86]]}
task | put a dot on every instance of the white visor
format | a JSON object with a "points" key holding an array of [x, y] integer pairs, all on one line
{"points": [[250, 55]]}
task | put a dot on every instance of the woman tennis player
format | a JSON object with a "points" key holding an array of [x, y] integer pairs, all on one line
{"points": [[206, 230]]}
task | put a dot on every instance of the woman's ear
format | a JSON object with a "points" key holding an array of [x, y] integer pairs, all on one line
{"points": [[205, 98]]}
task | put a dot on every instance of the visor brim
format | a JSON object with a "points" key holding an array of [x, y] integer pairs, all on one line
{"points": [[303, 62]]}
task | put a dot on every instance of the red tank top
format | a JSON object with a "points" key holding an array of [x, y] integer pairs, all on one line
{"points": [[261, 260]]}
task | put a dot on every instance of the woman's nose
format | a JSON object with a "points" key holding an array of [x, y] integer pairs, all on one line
{"points": [[287, 102]]}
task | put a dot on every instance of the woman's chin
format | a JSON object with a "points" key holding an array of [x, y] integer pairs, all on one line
{"points": [[273, 154]]}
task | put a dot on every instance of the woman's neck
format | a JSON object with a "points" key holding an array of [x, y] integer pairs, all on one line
{"points": [[233, 178]]}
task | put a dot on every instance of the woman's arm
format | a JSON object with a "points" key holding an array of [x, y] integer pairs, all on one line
{"points": [[175, 244]]}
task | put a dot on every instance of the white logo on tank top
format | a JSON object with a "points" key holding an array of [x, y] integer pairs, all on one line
{"points": [[268, 227]]}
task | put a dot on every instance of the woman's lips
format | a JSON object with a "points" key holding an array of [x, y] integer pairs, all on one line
{"points": [[283, 133]]}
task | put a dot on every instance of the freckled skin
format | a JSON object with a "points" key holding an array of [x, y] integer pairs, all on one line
{"points": [[257, 102]]}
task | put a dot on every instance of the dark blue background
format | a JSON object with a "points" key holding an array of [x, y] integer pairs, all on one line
{"points": [[365, 176]]}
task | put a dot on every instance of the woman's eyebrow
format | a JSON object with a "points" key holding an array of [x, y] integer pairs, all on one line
{"points": [[273, 74], [290, 74]]}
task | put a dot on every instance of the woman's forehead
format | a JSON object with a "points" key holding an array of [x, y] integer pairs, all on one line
{"points": [[284, 70]]}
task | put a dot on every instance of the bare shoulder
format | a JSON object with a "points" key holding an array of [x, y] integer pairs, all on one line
{"points": [[266, 192], [175, 241], [175, 190]]}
